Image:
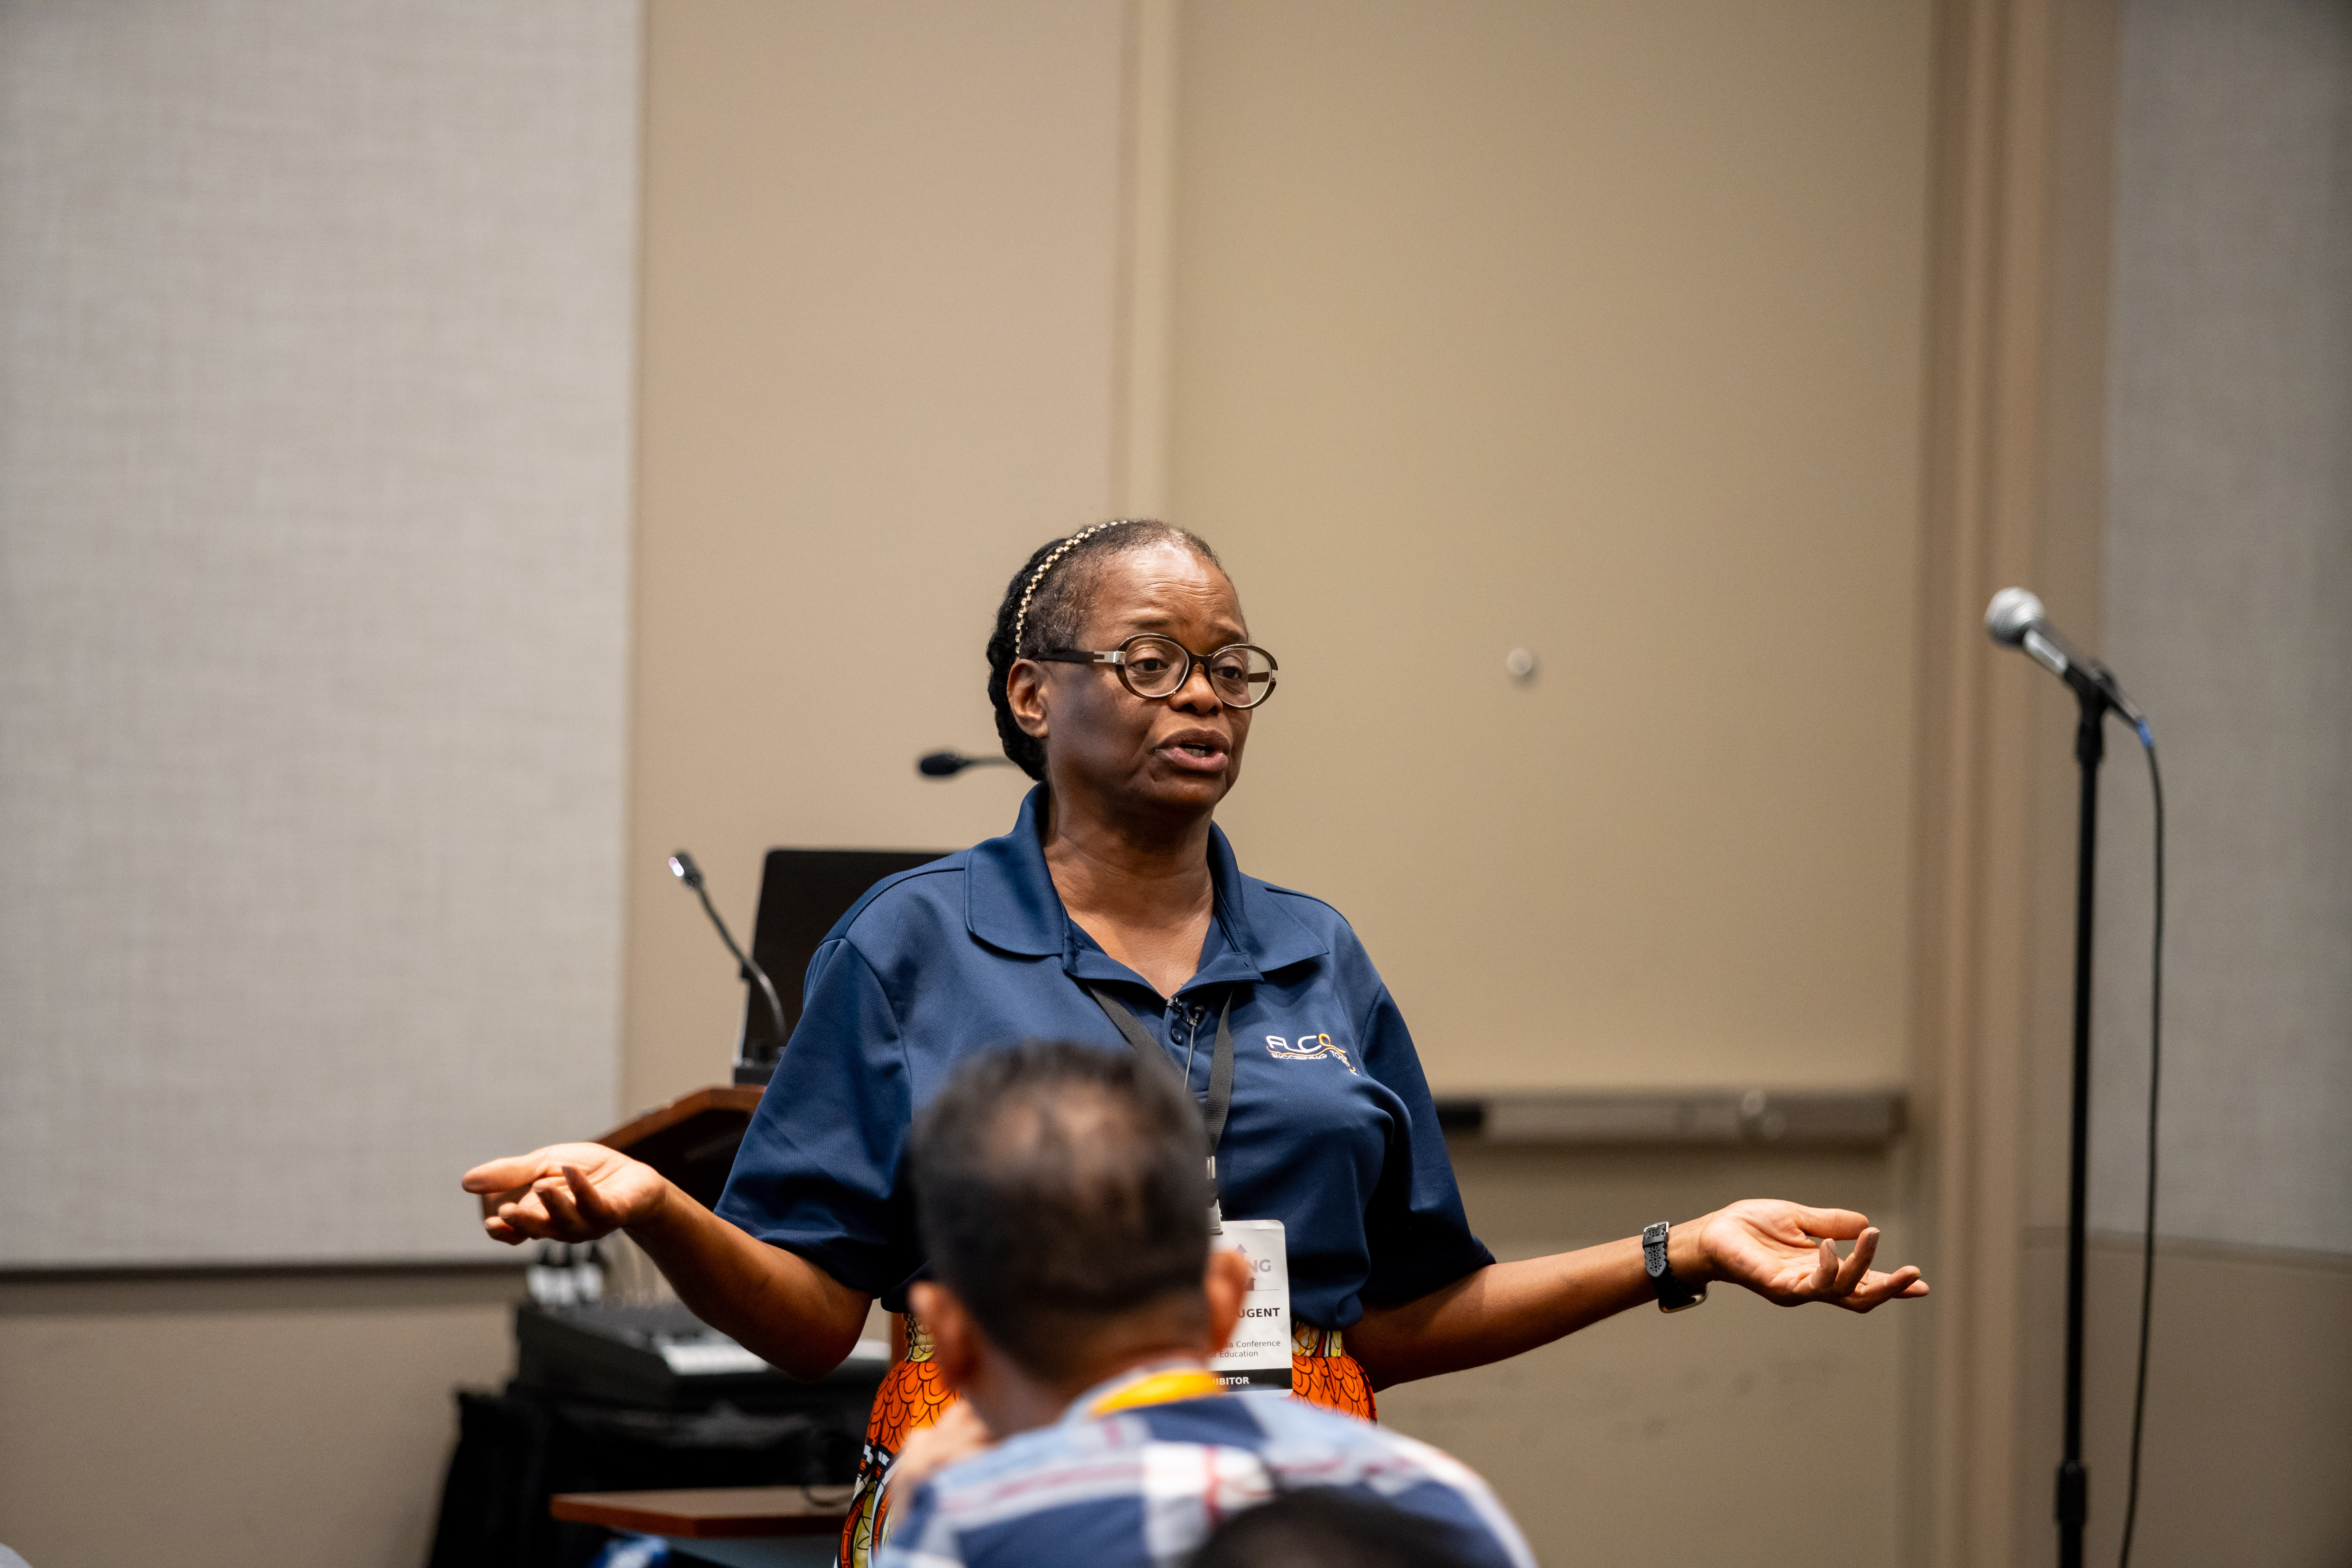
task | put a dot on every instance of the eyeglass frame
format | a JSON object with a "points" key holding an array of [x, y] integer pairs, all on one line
{"points": [[1117, 658]]}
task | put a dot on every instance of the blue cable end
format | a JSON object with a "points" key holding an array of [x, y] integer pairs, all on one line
{"points": [[2147, 735]]}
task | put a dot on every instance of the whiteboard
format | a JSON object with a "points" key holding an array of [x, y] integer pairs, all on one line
{"points": [[315, 418]]}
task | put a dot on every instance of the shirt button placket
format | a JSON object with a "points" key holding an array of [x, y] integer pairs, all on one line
{"points": [[1180, 1016]]}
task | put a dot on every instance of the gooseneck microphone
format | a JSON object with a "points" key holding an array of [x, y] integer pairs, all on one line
{"points": [[2015, 619], [682, 867], [946, 764]]}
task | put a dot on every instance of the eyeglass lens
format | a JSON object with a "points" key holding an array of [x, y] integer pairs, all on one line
{"points": [[1156, 666]]}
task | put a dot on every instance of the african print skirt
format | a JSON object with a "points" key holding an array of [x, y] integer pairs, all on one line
{"points": [[911, 1396]]}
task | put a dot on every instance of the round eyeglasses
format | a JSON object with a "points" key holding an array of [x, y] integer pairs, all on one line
{"points": [[1151, 666]]}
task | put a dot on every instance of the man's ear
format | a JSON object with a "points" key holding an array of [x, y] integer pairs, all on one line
{"points": [[955, 1338], [1025, 693], [1227, 1282]]}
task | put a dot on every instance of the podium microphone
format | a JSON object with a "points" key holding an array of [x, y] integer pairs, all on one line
{"points": [[2015, 619], [946, 764], [682, 867]]}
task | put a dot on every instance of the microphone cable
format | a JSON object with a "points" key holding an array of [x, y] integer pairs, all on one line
{"points": [[2155, 1066]]}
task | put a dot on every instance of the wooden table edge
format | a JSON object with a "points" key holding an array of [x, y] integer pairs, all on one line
{"points": [[787, 1512]]}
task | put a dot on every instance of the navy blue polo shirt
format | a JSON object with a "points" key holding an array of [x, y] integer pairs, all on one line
{"points": [[1332, 1130]]}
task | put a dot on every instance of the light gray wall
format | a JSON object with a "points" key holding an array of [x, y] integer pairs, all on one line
{"points": [[316, 365], [2229, 611]]}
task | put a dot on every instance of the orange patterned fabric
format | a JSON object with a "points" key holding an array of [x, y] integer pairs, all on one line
{"points": [[1323, 1373], [912, 1396]]}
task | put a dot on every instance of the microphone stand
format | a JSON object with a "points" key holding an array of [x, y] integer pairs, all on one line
{"points": [[2094, 693], [682, 867]]}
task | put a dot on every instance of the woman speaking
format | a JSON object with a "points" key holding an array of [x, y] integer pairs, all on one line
{"points": [[1125, 682]]}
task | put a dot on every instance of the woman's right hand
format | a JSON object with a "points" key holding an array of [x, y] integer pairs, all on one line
{"points": [[565, 1192], [775, 1302], [958, 1434]]}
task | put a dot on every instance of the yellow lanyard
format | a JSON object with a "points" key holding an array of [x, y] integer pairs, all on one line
{"points": [[1159, 1388]]}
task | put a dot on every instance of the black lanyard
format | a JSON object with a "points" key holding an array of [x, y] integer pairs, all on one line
{"points": [[1221, 1066]]}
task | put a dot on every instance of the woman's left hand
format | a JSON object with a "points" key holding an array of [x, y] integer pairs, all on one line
{"points": [[1787, 1253]]}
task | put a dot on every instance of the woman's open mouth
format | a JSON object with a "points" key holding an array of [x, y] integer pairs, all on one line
{"points": [[1194, 751]]}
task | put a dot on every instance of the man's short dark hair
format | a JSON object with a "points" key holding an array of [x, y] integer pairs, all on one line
{"points": [[1325, 1527], [1057, 1185]]}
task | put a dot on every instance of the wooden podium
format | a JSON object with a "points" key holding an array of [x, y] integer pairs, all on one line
{"points": [[693, 1139]]}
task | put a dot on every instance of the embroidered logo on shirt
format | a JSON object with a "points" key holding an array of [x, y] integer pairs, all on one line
{"points": [[1305, 1048]]}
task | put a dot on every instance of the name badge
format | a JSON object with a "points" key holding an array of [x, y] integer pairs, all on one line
{"points": [[1258, 1355]]}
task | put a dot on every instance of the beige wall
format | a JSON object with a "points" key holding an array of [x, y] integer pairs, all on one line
{"points": [[1595, 1443], [233, 1420], [1454, 297], [1597, 330], [880, 260], [2012, 481], [1593, 329]]}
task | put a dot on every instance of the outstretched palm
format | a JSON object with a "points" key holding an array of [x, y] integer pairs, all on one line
{"points": [[565, 1192], [1788, 1253]]}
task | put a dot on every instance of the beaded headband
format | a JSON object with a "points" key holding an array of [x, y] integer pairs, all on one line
{"points": [[1021, 620]]}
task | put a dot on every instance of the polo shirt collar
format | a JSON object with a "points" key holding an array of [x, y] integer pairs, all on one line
{"points": [[1011, 904]]}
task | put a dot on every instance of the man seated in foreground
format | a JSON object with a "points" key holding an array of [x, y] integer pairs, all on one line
{"points": [[1075, 1304]]}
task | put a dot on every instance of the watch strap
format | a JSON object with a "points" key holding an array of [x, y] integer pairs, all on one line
{"points": [[1674, 1294]]}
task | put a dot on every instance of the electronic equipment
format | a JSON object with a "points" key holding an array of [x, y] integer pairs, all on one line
{"points": [[946, 764], [659, 1356], [802, 893]]}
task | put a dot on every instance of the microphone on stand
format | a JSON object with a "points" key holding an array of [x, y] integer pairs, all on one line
{"points": [[682, 867], [2015, 619], [946, 764]]}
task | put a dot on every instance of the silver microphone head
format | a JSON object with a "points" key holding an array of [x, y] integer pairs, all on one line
{"points": [[2011, 613]]}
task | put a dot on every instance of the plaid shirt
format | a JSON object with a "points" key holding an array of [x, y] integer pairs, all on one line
{"points": [[1142, 1468]]}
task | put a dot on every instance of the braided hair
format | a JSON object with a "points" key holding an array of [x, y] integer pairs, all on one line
{"points": [[1045, 604]]}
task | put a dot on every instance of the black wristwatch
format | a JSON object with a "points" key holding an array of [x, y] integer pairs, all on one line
{"points": [[1674, 1295]]}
